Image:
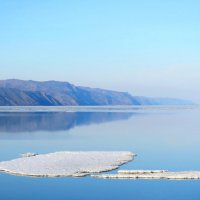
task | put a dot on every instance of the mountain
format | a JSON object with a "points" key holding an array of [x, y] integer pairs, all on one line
{"points": [[15, 97], [15, 92]]}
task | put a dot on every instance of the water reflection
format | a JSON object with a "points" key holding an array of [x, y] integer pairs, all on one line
{"points": [[55, 121]]}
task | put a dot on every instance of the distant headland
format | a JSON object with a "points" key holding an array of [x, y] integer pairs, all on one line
{"points": [[14, 92]]}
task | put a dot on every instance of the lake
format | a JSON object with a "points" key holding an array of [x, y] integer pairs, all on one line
{"points": [[162, 137]]}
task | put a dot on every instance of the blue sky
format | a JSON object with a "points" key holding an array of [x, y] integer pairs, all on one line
{"points": [[146, 47]]}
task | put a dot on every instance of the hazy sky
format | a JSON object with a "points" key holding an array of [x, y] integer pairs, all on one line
{"points": [[145, 47]]}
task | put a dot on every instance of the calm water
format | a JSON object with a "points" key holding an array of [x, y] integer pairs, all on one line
{"points": [[162, 139]]}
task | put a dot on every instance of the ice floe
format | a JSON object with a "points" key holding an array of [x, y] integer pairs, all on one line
{"points": [[152, 174], [60, 164]]}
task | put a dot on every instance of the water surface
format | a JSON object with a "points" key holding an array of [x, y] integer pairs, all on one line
{"points": [[164, 138]]}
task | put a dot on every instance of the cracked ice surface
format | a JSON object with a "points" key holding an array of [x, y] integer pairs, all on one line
{"points": [[66, 163]]}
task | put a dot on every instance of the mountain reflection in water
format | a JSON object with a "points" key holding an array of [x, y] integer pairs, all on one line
{"points": [[56, 121]]}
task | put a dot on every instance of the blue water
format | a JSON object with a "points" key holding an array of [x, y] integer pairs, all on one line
{"points": [[161, 138]]}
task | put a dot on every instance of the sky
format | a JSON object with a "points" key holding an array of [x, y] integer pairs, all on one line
{"points": [[146, 47]]}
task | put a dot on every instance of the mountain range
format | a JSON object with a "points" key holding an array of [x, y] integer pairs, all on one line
{"points": [[15, 92]]}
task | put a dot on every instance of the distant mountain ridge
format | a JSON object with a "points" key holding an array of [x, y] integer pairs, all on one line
{"points": [[15, 92]]}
